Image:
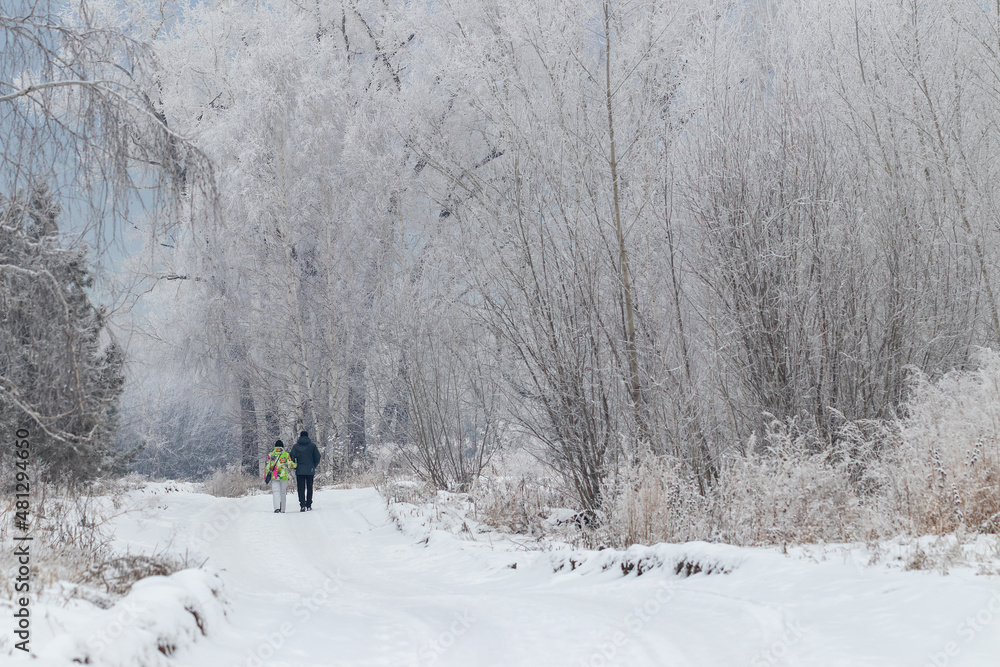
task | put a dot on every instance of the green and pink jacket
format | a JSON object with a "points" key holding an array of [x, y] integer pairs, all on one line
{"points": [[280, 464]]}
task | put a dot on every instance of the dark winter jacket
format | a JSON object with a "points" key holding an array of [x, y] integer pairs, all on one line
{"points": [[305, 453]]}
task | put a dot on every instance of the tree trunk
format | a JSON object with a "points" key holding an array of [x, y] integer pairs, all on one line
{"points": [[248, 430], [356, 410], [628, 305]]}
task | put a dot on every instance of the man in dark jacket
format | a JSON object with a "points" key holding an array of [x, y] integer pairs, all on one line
{"points": [[305, 454]]}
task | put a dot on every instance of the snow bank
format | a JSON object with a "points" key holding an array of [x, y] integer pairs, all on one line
{"points": [[446, 521], [682, 560], [159, 616]]}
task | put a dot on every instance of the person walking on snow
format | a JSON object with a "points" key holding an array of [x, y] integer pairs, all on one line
{"points": [[277, 470], [305, 454]]}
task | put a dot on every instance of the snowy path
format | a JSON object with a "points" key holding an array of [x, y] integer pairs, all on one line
{"points": [[342, 586]]}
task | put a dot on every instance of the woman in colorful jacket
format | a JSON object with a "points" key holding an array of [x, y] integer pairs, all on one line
{"points": [[278, 470]]}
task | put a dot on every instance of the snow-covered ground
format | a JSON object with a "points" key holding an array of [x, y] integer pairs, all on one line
{"points": [[343, 585]]}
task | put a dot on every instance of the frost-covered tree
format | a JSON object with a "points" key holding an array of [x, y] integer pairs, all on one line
{"points": [[553, 185], [295, 108], [80, 111], [828, 208]]}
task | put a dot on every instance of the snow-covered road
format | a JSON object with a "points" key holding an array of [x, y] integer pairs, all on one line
{"points": [[342, 585]]}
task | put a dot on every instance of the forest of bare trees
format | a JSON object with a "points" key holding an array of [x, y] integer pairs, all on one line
{"points": [[689, 255]]}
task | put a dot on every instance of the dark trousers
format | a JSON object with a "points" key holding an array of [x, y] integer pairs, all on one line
{"points": [[305, 484]]}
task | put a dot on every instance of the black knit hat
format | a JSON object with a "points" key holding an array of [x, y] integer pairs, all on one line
{"points": [[304, 434], [279, 443]]}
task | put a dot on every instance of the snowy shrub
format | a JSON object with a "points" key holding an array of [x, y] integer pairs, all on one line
{"points": [[792, 488], [118, 572], [513, 505], [655, 500], [947, 471], [515, 493], [73, 542], [934, 471], [406, 491], [380, 468], [231, 483]]}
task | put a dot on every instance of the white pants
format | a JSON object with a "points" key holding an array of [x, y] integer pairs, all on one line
{"points": [[278, 488]]}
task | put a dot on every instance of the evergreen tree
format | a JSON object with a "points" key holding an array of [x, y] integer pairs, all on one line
{"points": [[60, 374]]}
